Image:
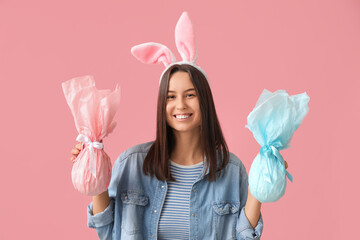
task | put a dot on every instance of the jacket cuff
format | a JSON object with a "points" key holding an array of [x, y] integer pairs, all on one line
{"points": [[101, 219], [244, 229]]}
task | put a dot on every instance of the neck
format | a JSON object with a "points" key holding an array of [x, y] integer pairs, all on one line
{"points": [[188, 149]]}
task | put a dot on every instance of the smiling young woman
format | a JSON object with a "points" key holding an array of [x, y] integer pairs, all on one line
{"points": [[185, 184]]}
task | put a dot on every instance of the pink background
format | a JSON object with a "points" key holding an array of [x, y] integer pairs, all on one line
{"points": [[244, 46]]}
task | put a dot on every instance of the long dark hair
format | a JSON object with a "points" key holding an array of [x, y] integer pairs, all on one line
{"points": [[213, 142]]}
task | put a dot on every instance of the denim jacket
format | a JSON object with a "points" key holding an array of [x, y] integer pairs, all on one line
{"points": [[136, 200]]}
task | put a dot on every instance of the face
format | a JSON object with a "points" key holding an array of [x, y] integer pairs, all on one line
{"points": [[182, 108]]}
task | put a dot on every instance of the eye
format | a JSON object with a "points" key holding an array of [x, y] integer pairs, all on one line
{"points": [[190, 95], [170, 97]]}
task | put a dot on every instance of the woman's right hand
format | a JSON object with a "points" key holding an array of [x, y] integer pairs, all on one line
{"points": [[75, 152]]}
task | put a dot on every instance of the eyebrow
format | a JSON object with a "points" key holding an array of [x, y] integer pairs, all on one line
{"points": [[190, 89]]}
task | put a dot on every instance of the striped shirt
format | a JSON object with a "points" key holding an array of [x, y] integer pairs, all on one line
{"points": [[174, 220]]}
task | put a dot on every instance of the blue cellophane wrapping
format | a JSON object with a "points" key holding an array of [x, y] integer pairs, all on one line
{"points": [[273, 122]]}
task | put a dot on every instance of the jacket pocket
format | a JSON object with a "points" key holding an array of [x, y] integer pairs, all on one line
{"points": [[225, 216], [133, 211]]}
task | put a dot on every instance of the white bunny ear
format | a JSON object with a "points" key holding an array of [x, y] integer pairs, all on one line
{"points": [[185, 38], [153, 53]]}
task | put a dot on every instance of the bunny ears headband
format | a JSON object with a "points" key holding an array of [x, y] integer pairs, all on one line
{"points": [[185, 43]]}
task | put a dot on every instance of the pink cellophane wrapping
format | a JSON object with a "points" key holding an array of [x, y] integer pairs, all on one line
{"points": [[93, 111]]}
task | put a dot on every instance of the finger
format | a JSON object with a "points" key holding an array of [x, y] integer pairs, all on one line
{"points": [[286, 165], [72, 159], [78, 146], [75, 151]]}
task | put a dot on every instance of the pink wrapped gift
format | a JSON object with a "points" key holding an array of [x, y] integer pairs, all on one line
{"points": [[93, 111]]}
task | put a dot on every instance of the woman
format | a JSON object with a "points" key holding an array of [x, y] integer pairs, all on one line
{"points": [[185, 184], [143, 200]]}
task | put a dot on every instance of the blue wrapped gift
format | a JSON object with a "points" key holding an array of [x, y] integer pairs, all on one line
{"points": [[273, 122]]}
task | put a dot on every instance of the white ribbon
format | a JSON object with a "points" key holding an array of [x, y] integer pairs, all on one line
{"points": [[91, 145]]}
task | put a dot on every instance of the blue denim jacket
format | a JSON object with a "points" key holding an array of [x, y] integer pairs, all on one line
{"points": [[216, 208]]}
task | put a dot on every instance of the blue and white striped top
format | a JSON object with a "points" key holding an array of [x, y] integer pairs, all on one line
{"points": [[174, 220]]}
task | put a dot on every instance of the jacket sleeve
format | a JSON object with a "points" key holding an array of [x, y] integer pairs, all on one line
{"points": [[104, 222], [244, 231]]}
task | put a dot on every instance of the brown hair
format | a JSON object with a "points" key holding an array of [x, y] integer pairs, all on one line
{"points": [[213, 142]]}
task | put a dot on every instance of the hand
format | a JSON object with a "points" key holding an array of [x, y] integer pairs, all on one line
{"points": [[75, 152]]}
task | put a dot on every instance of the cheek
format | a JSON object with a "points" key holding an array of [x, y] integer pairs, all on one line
{"points": [[168, 112], [199, 118]]}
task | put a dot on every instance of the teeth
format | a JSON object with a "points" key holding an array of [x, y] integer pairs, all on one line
{"points": [[182, 116]]}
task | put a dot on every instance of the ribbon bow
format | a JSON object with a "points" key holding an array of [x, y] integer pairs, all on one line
{"points": [[272, 152], [91, 145]]}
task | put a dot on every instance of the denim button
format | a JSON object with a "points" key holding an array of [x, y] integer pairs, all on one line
{"points": [[194, 190], [162, 186], [193, 214], [155, 211]]}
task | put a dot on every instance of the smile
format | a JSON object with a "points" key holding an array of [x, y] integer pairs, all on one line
{"points": [[182, 116]]}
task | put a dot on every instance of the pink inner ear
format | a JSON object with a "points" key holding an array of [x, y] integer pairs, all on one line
{"points": [[153, 53], [185, 38]]}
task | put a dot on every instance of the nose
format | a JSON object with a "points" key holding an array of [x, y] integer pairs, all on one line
{"points": [[180, 104]]}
